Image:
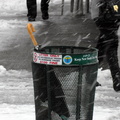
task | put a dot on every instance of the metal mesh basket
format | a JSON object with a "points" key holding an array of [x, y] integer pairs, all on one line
{"points": [[64, 82]]}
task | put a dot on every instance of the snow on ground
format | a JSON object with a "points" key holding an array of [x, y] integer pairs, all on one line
{"points": [[5, 24], [16, 87], [16, 101], [11, 7], [23, 112], [19, 8], [19, 112]]}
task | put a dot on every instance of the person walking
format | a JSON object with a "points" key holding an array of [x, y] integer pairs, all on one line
{"points": [[107, 44], [32, 9]]}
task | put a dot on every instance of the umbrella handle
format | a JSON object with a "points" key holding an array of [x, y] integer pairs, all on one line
{"points": [[31, 29]]}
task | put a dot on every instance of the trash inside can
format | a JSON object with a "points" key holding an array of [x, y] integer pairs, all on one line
{"points": [[64, 79]]}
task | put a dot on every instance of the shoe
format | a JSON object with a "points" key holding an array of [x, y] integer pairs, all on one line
{"points": [[45, 15], [31, 19], [98, 84], [28, 15], [63, 117], [116, 85]]}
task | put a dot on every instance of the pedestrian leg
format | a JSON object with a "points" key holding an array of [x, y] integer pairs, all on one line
{"points": [[32, 10], [112, 59], [44, 9]]}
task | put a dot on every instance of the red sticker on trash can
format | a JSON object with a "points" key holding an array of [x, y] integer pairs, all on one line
{"points": [[50, 59]]}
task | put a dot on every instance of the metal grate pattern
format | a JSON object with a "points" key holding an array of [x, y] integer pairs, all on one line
{"points": [[65, 89]]}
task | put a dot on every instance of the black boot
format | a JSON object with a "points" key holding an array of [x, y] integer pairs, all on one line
{"points": [[32, 10], [31, 19], [44, 9], [98, 84], [45, 15]]}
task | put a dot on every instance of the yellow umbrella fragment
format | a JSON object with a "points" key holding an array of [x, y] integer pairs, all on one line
{"points": [[31, 29]]}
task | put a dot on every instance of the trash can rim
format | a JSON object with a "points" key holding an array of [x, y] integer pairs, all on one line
{"points": [[88, 49], [55, 58]]}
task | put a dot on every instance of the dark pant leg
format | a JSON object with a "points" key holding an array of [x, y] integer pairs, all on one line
{"points": [[44, 5], [32, 8], [108, 45], [101, 46], [113, 62], [109, 30], [112, 57], [107, 35]]}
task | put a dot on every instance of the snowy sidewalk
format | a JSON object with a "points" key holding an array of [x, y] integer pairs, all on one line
{"points": [[16, 101], [58, 30], [16, 85]]}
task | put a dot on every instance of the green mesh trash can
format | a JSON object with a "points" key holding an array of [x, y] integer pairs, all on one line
{"points": [[64, 80]]}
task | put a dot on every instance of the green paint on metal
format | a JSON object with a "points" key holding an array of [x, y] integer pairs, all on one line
{"points": [[80, 59], [64, 55]]}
